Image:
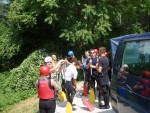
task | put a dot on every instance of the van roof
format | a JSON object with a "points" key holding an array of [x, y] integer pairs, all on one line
{"points": [[115, 41]]}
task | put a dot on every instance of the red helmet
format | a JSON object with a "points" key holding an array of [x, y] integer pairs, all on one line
{"points": [[44, 70], [106, 54], [95, 50], [146, 73]]}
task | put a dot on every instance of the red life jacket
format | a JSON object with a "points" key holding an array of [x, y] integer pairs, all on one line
{"points": [[146, 92], [44, 89]]}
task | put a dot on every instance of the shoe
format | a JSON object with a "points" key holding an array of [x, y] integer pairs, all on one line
{"points": [[101, 105], [105, 107], [74, 109], [73, 104]]}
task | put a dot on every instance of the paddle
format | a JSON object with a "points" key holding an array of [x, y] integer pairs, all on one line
{"points": [[88, 104], [92, 96], [85, 84], [68, 108]]}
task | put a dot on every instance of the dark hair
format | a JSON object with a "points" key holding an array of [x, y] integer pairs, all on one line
{"points": [[102, 49]]}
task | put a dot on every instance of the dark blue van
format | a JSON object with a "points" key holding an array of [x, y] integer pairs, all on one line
{"points": [[131, 73]]}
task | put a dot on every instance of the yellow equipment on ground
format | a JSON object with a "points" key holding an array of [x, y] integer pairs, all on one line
{"points": [[92, 96], [62, 95], [68, 108]]}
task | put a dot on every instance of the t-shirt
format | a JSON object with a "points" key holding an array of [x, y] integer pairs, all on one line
{"points": [[104, 63], [71, 72]]}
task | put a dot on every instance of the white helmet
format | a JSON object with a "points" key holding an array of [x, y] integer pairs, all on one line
{"points": [[125, 66], [48, 59]]}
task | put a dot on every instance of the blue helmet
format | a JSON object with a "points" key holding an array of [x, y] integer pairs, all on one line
{"points": [[70, 53]]}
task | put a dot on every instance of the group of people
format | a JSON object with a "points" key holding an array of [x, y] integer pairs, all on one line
{"points": [[95, 65], [47, 86]]}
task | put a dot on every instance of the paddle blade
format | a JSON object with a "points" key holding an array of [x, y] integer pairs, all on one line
{"points": [[68, 108], [62, 95], [92, 96], [85, 89], [88, 104]]}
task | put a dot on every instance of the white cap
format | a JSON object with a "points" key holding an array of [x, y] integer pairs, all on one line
{"points": [[48, 59]]}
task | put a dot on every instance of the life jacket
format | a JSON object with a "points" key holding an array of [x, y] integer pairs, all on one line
{"points": [[45, 90], [94, 62], [146, 92]]}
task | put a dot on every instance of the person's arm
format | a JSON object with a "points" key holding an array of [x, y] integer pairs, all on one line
{"points": [[92, 66], [88, 64], [54, 84], [52, 69], [75, 84], [99, 67], [68, 62], [75, 73], [57, 65], [59, 69]]}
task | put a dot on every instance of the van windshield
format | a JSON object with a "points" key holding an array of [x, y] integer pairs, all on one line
{"points": [[136, 57]]}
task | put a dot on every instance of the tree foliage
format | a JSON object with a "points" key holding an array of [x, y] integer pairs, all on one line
{"points": [[76, 25], [8, 45], [59, 26]]}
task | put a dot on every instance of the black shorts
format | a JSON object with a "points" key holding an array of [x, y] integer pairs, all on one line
{"points": [[69, 87], [87, 76], [47, 106]]}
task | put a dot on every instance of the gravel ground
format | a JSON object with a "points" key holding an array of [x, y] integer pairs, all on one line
{"points": [[79, 106]]}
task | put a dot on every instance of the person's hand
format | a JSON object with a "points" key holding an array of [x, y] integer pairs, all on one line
{"points": [[66, 61], [56, 94], [90, 65], [61, 61], [52, 75], [90, 61], [97, 66]]}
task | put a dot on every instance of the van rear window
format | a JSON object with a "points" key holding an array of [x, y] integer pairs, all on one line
{"points": [[137, 57]]}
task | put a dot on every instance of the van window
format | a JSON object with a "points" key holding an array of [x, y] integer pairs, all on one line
{"points": [[137, 57]]}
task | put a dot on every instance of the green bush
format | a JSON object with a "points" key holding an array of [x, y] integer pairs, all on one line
{"points": [[19, 83]]}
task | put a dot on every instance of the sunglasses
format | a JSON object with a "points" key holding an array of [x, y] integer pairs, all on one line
{"points": [[92, 52]]}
